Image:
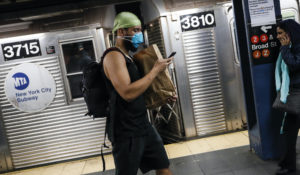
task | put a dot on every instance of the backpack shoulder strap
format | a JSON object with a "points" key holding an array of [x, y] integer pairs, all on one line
{"points": [[112, 99], [109, 50]]}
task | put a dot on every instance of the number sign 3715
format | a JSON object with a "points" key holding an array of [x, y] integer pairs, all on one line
{"points": [[197, 21], [22, 49]]}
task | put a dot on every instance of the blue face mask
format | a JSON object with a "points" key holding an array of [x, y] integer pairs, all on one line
{"points": [[137, 39]]}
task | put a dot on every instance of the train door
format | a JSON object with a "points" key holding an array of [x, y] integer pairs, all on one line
{"points": [[237, 65], [207, 72]]}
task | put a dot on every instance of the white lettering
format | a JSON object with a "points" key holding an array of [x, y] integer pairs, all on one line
{"points": [[273, 44], [262, 46], [17, 82], [20, 81], [23, 81]]}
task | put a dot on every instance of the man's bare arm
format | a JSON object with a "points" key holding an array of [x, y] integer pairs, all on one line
{"points": [[116, 71]]}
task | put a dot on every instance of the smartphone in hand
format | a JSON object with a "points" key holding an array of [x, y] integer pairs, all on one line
{"points": [[172, 54]]}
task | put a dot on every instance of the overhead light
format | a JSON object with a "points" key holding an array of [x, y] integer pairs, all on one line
{"points": [[15, 26], [49, 15]]}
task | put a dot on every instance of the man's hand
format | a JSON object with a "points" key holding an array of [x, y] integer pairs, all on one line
{"points": [[161, 64]]}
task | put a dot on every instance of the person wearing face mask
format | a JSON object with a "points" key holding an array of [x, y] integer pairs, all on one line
{"points": [[136, 144], [287, 76]]}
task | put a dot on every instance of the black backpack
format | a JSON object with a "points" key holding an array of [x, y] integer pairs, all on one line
{"points": [[94, 90], [96, 95]]}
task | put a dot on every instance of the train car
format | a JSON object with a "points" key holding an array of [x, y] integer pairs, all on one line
{"points": [[207, 76], [46, 123], [58, 130]]}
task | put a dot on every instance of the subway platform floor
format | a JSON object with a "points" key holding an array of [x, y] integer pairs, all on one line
{"points": [[226, 154]]}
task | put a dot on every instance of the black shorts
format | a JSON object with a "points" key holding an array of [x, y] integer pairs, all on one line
{"points": [[144, 152]]}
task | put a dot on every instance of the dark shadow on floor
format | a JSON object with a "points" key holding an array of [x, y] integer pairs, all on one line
{"points": [[233, 161]]}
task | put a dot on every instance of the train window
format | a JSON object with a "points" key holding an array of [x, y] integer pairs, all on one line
{"points": [[76, 56], [234, 40], [289, 14]]}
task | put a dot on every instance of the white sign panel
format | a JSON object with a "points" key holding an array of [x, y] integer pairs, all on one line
{"points": [[30, 87], [262, 12]]}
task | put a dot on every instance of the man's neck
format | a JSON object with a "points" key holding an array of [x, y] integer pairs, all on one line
{"points": [[119, 45]]}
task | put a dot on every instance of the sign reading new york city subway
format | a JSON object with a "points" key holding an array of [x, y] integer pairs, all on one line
{"points": [[30, 87]]}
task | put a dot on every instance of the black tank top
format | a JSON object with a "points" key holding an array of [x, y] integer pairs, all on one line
{"points": [[130, 119]]}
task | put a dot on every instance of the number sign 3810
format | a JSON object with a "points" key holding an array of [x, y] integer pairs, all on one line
{"points": [[22, 49], [197, 21]]}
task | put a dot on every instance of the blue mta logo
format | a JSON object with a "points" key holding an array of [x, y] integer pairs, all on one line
{"points": [[21, 81]]}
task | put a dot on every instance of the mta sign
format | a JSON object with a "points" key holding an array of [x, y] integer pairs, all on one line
{"points": [[21, 81]]}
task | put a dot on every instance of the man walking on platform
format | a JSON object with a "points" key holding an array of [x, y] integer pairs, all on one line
{"points": [[136, 144]]}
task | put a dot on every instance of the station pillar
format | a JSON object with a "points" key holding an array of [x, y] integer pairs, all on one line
{"points": [[258, 48]]}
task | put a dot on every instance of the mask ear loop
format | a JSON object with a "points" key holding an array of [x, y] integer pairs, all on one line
{"points": [[125, 38], [122, 37], [113, 39]]}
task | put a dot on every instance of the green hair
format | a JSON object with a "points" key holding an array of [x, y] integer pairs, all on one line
{"points": [[126, 20]]}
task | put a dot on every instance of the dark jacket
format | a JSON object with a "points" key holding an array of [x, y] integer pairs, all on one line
{"points": [[291, 57]]}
